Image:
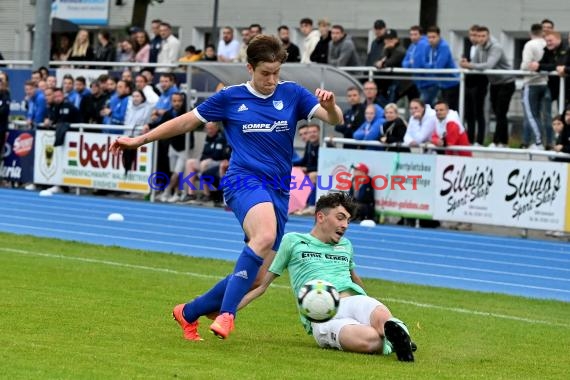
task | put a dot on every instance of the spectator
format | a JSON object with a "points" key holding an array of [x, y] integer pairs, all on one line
{"points": [[127, 75], [170, 47], [245, 38], [536, 95], [310, 41], [149, 75], [547, 25], [475, 92], [168, 86], [63, 49], [105, 52], [561, 127], [37, 110], [213, 153], [192, 55], [177, 150], [303, 131], [138, 110], [156, 41], [353, 116], [150, 95], [98, 100], [421, 125], [371, 93], [254, 31], [126, 51], [68, 86], [81, 49], [490, 55], [321, 52], [371, 129], [363, 193], [394, 129], [392, 56], [210, 53], [293, 53], [439, 57], [418, 47], [309, 165], [51, 82], [4, 114], [115, 113], [44, 72], [142, 47], [228, 47], [342, 51], [377, 47], [84, 102], [449, 130]]}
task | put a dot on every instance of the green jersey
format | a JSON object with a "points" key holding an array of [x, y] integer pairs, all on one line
{"points": [[307, 258]]}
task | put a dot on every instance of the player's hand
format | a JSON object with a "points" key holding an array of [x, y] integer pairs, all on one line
{"points": [[326, 99], [123, 143]]}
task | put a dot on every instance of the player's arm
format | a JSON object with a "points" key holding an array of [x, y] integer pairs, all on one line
{"points": [[328, 111], [258, 292], [174, 127], [356, 278]]}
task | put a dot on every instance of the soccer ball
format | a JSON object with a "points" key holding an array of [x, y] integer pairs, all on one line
{"points": [[318, 301]]}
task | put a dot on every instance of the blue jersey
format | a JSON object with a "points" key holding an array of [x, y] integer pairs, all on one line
{"points": [[260, 128]]}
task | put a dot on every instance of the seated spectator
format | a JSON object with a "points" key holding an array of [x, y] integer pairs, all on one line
{"points": [[98, 100], [177, 150], [191, 54], [561, 127], [68, 86], [141, 84], [421, 125], [363, 193], [212, 155], [371, 129], [449, 130], [394, 129], [138, 110], [228, 47], [84, 98], [353, 116]]}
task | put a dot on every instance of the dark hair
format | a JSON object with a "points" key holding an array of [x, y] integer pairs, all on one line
{"points": [[140, 92], [433, 29], [558, 118], [536, 29], [417, 28], [81, 79], [282, 27], [339, 27], [306, 20], [166, 24], [353, 88], [441, 101], [264, 48], [483, 28], [547, 21], [258, 26], [419, 101], [474, 27], [156, 21], [332, 200]]}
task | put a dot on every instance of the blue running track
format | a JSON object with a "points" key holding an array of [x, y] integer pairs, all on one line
{"points": [[529, 268]]}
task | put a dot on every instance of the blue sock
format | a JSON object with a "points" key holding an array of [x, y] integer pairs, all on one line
{"points": [[312, 199], [206, 303], [241, 280]]}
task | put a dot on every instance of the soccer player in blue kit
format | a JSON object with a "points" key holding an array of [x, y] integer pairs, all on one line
{"points": [[260, 119]]}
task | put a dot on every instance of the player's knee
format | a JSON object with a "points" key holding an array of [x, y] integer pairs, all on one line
{"points": [[263, 240], [370, 344]]}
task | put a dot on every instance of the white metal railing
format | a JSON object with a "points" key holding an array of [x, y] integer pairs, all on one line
{"points": [[456, 148]]}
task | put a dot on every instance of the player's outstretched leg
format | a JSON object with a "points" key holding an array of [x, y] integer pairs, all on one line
{"points": [[190, 328], [399, 336]]}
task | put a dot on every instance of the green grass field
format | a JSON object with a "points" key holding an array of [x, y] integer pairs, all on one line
{"points": [[77, 311]]}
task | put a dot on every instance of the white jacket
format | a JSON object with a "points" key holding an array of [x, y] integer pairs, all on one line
{"points": [[421, 131], [309, 44], [138, 115], [533, 51]]}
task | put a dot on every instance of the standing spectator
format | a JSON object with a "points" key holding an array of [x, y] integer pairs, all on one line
{"points": [[228, 47], [4, 114], [105, 51], [37, 110], [81, 49], [68, 86], [490, 55], [51, 82], [363, 193], [449, 130], [63, 49], [126, 51], [475, 92], [84, 102], [439, 57], [536, 95], [371, 93], [138, 110], [421, 125], [141, 84], [170, 47], [168, 86], [210, 53], [418, 47], [293, 53], [115, 113], [377, 47], [393, 56], [394, 129], [245, 38], [156, 41], [254, 31], [321, 52], [98, 100], [371, 129], [342, 51], [547, 25], [142, 47], [310, 41], [353, 116]]}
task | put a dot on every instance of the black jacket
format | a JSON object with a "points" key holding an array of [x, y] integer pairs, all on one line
{"points": [[177, 142], [310, 159], [321, 52], [395, 132], [4, 110], [215, 147], [549, 61]]}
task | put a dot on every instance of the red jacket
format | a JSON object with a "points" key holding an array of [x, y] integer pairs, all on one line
{"points": [[453, 135]]}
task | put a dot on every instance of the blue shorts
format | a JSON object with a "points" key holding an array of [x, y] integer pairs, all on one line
{"points": [[242, 198]]}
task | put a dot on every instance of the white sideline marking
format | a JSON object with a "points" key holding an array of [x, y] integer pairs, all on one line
{"points": [[172, 271]]}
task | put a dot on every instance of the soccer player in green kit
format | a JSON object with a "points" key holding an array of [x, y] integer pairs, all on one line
{"points": [[362, 323]]}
